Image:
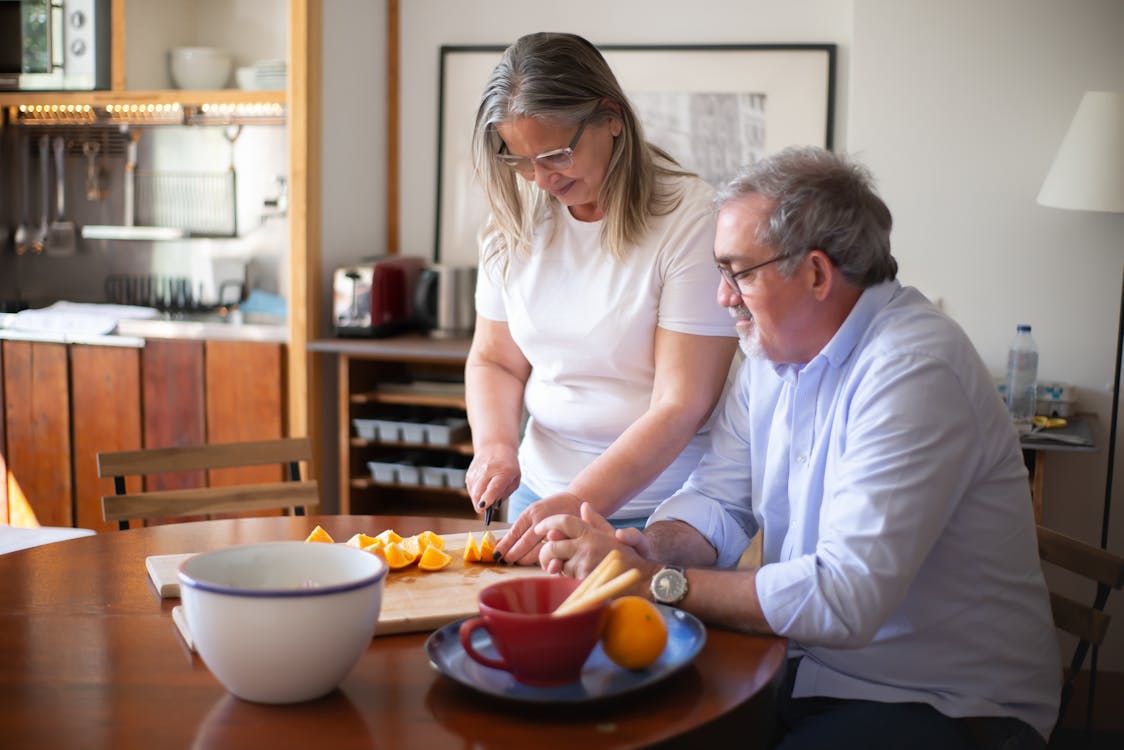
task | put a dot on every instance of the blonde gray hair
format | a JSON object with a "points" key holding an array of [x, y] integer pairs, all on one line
{"points": [[564, 78]]}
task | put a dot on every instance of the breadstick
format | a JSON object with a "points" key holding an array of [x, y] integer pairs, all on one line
{"points": [[606, 569], [600, 593]]}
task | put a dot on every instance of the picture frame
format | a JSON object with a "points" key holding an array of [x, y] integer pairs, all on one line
{"points": [[764, 96]]}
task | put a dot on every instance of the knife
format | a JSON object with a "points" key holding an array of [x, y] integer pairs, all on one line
{"points": [[491, 511]]}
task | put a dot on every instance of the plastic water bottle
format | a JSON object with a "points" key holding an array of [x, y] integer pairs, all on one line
{"points": [[1022, 378]]}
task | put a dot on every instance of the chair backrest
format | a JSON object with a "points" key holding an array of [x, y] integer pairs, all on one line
{"points": [[1088, 622], [296, 494]]}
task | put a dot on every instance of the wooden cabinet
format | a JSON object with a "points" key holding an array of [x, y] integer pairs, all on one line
{"points": [[64, 404], [37, 434], [407, 380], [244, 402], [105, 392]]}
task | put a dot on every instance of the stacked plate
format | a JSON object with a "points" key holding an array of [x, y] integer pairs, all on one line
{"points": [[269, 75]]}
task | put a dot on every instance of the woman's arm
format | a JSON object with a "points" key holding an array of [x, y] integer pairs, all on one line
{"points": [[495, 374], [690, 373]]}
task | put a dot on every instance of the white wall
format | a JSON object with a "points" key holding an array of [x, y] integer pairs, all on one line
{"points": [[957, 106]]}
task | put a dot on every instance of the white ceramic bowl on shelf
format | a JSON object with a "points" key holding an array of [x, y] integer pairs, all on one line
{"points": [[282, 622], [199, 68]]}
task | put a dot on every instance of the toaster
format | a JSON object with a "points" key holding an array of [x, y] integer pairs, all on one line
{"points": [[375, 297]]}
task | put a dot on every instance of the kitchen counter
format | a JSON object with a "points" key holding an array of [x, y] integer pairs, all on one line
{"points": [[134, 332]]}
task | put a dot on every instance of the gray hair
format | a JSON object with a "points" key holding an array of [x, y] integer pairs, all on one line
{"points": [[821, 201], [564, 78]]}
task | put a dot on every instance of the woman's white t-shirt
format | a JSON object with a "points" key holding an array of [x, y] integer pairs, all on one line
{"points": [[586, 323]]}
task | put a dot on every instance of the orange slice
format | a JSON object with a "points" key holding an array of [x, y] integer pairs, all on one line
{"points": [[376, 547], [388, 536], [319, 535], [471, 551], [434, 559], [487, 547], [430, 539], [411, 545], [360, 540], [397, 557], [377, 550]]}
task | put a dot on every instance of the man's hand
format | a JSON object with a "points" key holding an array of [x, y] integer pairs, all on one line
{"points": [[520, 545], [576, 544]]}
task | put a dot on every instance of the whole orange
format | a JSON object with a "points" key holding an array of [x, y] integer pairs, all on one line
{"points": [[635, 634]]}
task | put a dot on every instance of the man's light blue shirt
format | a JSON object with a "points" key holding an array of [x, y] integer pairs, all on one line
{"points": [[900, 554]]}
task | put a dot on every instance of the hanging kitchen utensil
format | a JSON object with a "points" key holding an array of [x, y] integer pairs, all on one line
{"points": [[44, 190], [130, 177], [27, 234], [94, 190], [62, 239]]}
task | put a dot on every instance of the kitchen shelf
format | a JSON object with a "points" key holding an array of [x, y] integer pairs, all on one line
{"points": [[464, 449], [378, 379], [409, 399]]}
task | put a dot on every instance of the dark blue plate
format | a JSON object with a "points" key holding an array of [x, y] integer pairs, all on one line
{"points": [[600, 677]]}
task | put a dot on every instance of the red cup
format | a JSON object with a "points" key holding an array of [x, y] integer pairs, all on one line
{"points": [[534, 646]]}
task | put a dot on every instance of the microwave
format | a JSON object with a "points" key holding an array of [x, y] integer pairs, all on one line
{"points": [[54, 45]]}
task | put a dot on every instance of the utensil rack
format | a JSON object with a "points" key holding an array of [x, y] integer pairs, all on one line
{"points": [[203, 204]]}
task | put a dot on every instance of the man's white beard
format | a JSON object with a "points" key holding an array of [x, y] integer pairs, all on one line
{"points": [[751, 344]]}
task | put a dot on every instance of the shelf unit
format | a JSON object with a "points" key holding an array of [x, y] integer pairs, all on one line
{"points": [[156, 25], [377, 373]]}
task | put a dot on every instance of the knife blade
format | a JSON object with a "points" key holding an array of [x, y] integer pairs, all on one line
{"points": [[491, 511]]}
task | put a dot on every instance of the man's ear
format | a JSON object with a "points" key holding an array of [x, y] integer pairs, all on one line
{"points": [[824, 274]]}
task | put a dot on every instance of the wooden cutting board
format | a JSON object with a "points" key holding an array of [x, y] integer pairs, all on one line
{"points": [[412, 601]]}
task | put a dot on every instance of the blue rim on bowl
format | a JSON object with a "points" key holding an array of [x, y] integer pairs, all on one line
{"points": [[186, 579]]}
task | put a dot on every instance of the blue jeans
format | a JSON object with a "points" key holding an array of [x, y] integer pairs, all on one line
{"points": [[519, 500]]}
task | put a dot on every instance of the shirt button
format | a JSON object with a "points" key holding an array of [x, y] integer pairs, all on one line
{"points": [[801, 459]]}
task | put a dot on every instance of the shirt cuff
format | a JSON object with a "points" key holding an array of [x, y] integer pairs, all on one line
{"points": [[709, 519]]}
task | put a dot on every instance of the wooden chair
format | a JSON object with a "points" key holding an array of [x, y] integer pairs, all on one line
{"points": [[296, 494], [1088, 622]]}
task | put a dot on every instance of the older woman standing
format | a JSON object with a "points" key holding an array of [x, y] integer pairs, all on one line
{"points": [[593, 299]]}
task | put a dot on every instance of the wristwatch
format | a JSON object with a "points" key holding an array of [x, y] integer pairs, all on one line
{"points": [[669, 585]]}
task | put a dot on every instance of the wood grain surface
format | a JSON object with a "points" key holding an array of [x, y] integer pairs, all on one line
{"points": [[413, 600], [107, 410], [37, 427], [82, 632]]}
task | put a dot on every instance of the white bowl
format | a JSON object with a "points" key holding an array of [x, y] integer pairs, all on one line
{"points": [[246, 78], [199, 68], [282, 622]]}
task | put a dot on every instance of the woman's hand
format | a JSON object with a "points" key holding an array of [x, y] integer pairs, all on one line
{"points": [[520, 544], [575, 545], [492, 475]]}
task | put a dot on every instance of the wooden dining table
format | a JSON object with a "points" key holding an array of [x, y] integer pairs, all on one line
{"points": [[90, 657]]}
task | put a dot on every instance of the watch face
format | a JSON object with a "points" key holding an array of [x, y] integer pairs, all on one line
{"points": [[669, 586]]}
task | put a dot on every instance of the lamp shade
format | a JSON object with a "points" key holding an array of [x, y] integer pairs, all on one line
{"points": [[1088, 170]]}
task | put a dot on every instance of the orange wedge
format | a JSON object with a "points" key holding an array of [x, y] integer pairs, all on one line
{"points": [[411, 545], [430, 539], [397, 557], [471, 551], [360, 540], [434, 559], [375, 547], [388, 536], [319, 535], [487, 547]]}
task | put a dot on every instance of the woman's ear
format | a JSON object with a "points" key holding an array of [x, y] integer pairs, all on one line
{"points": [[616, 123]]}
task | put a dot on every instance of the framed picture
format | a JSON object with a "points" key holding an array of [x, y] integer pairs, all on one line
{"points": [[714, 108]]}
